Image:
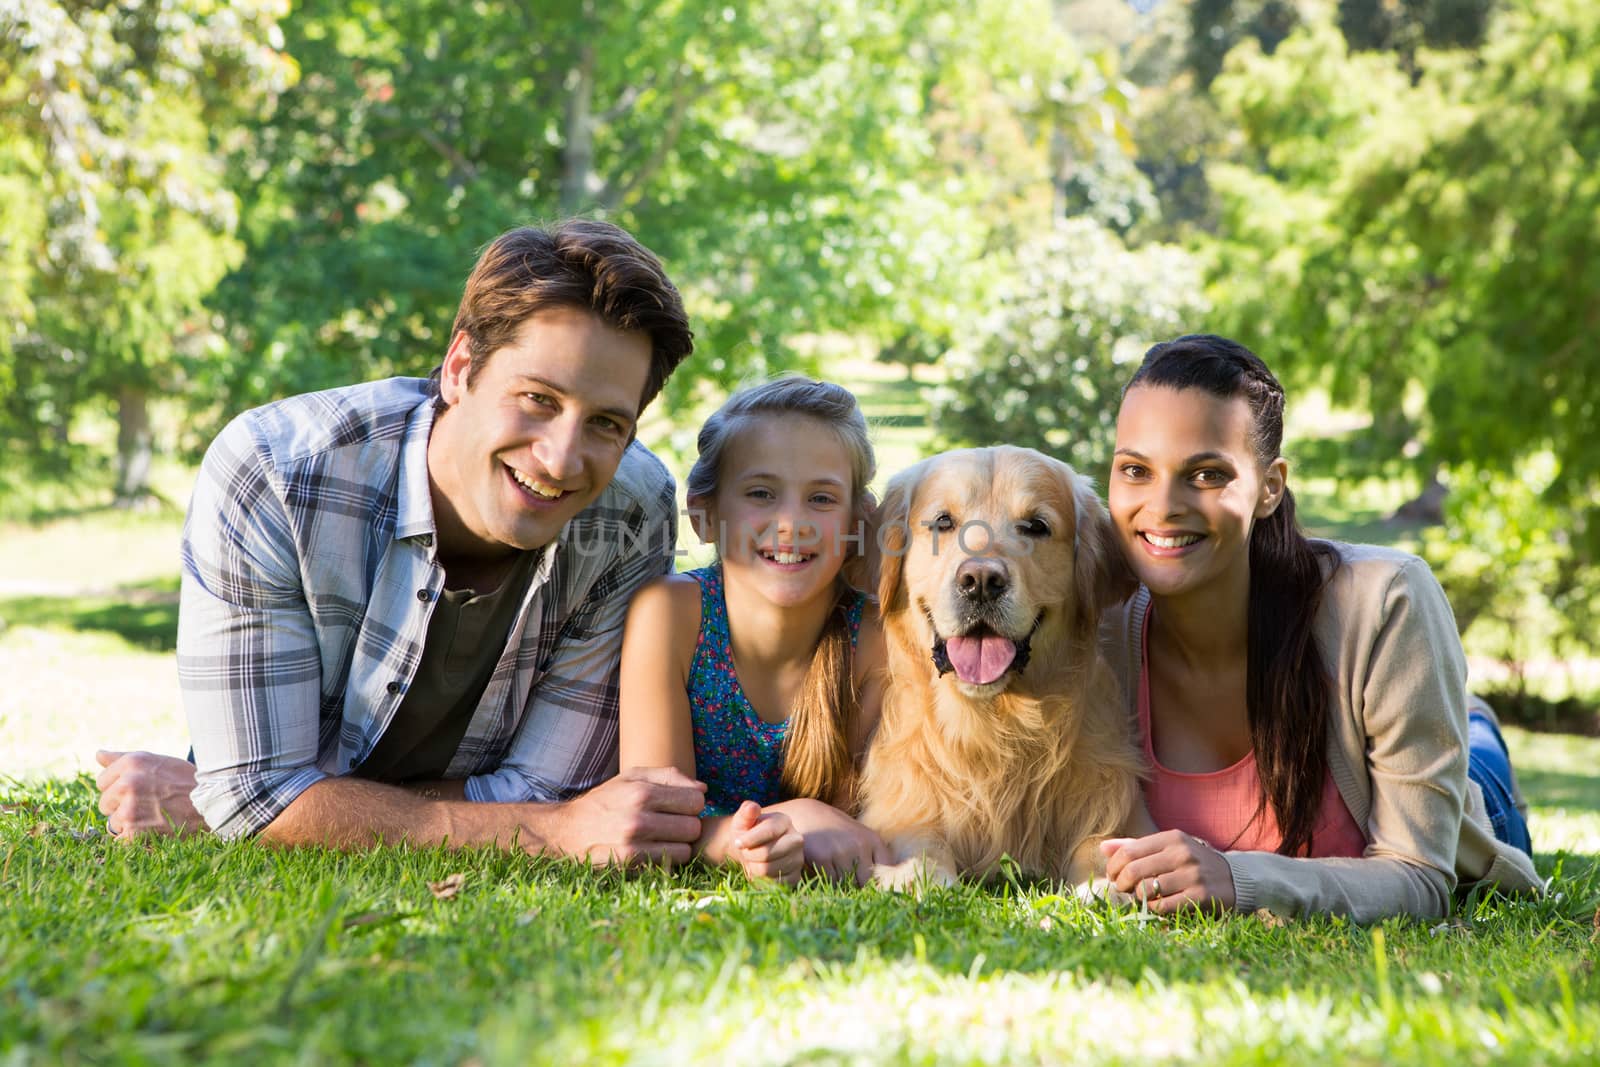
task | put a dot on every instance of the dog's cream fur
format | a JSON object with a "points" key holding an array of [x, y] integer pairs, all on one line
{"points": [[1040, 765]]}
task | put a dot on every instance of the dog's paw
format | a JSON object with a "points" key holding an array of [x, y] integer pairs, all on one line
{"points": [[912, 876], [1103, 889]]}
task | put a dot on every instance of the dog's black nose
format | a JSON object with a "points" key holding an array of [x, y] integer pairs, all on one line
{"points": [[982, 580]]}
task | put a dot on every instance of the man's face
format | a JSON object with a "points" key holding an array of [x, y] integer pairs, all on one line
{"points": [[539, 433]]}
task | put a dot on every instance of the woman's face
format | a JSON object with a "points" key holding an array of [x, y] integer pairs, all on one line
{"points": [[1186, 489]]}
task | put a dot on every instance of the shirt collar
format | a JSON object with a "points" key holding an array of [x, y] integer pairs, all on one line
{"points": [[414, 506]]}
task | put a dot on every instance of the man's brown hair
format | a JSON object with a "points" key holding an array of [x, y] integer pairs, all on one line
{"points": [[580, 263]]}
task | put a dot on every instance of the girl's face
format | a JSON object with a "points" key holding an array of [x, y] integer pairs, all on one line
{"points": [[782, 510], [1186, 489]]}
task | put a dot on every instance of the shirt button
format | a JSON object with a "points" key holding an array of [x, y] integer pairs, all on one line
{"points": [[424, 596], [393, 687]]}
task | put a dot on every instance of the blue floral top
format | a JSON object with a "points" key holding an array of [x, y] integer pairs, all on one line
{"points": [[737, 754]]}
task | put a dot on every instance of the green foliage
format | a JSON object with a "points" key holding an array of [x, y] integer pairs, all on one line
{"points": [[1045, 366], [1216, 26], [1426, 250], [1507, 561], [1408, 25], [801, 167], [204, 951], [116, 221]]}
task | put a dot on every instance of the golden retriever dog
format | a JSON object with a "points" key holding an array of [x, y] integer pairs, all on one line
{"points": [[1003, 732]]}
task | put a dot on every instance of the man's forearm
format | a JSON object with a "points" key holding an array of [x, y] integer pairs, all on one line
{"points": [[355, 813]]}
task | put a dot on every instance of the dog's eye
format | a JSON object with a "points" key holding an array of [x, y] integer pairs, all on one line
{"points": [[943, 522], [1034, 527]]}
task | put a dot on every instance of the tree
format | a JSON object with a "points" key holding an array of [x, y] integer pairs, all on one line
{"points": [[1046, 366], [802, 167], [772, 153], [1429, 251], [116, 221], [1216, 26], [1409, 25]]}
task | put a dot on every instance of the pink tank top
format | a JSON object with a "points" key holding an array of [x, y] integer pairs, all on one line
{"points": [[1220, 807]]}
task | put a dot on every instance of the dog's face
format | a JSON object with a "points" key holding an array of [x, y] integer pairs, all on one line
{"points": [[991, 558]]}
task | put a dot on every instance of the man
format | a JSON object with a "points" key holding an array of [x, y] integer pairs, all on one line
{"points": [[402, 602]]}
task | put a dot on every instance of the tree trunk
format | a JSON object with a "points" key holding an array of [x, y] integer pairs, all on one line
{"points": [[577, 161], [1427, 507], [135, 446]]}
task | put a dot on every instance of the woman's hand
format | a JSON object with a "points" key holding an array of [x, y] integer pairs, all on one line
{"points": [[835, 844], [1169, 870], [766, 844]]}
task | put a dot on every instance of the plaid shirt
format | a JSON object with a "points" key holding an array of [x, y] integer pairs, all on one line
{"points": [[309, 575]]}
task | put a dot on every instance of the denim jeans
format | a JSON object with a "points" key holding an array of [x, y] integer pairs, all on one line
{"points": [[1489, 764]]}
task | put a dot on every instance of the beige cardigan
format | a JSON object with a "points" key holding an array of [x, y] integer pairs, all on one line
{"points": [[1397, 749]]}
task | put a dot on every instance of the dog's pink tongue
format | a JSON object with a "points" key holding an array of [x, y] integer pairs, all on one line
{"points": [[980, 660]]}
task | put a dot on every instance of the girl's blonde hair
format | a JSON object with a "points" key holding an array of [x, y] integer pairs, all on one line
{"points": [[817, 760]]}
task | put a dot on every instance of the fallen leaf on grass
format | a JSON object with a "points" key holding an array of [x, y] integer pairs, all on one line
{"points": [[527, 917], [1270, 919], [449, 887]]}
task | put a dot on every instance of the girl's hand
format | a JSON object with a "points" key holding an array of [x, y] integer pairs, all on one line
{"points": [[1169, 870], [836, 845], [766, 844]]}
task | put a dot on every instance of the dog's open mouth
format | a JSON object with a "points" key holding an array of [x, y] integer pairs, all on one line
{"points": [[980, 656]]}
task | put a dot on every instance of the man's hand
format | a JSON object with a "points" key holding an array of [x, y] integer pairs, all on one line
{"points": [[1169, 870], [643, 815], [766, 844], [835, 844], [143, 793]]}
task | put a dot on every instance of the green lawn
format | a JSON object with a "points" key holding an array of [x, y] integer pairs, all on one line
{"points": [[208, 952], [201, 951]]}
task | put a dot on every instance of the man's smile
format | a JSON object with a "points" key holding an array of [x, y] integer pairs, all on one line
{"points": [[542, 490]]}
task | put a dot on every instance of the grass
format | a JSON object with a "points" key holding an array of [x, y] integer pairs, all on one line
{"points": [[141, 615], [206, 951], [88, 622]]}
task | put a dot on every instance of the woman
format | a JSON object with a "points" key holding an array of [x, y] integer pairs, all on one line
{"points": [[1303, 704]]}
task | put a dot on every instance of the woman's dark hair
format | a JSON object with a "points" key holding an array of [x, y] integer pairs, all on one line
{"points": [[1287, 688]]}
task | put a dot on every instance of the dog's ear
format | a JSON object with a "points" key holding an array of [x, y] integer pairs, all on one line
{"points": [[1102, 572], [891, 535]]}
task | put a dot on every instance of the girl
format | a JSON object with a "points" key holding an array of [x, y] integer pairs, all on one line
{"points": [[1303, 703], [760, 672]]}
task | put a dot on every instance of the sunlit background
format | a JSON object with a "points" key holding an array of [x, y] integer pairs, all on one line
{"points": [[974, 212]]}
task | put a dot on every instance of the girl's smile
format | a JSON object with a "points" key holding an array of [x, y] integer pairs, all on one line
{"points": [[780, 517]]}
